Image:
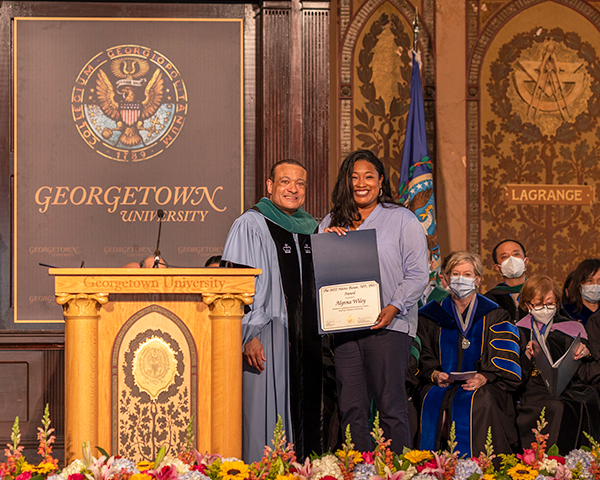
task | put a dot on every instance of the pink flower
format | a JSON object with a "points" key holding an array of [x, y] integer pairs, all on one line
{"points": [[205, 459], [77, 476], [435, 466], [368, 457], [200, 468], [168, 472], [389, 475], [563, 473], [528, 457], [24, 476], [303, 470]]}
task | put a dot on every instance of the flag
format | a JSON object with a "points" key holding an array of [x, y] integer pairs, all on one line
{"points": [[416, 179]]}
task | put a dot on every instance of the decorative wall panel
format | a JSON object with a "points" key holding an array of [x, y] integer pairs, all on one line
{"points": [[293, 93], [534, 79], [154, 384], [374, 78]]}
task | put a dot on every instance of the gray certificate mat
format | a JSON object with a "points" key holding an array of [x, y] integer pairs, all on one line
{"points": [[352, 263]]}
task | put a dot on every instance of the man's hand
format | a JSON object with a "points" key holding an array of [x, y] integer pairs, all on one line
{"points": [[254, 354], [385, 317]]}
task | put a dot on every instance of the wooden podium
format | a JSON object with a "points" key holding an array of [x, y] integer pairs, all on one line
{"points": [[147, 349]]}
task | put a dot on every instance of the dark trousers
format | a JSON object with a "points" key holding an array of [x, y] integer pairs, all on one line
{"points": [[373, 364]]}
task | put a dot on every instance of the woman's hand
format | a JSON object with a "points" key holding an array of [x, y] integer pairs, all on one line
{"points": [[475, 382], [440, 379], [339, 230], [582, 352], [385, 317], [529, 350]]}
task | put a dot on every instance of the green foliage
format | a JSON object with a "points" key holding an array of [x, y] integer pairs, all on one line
{"points": [[553, 451], [160, 456], [102, 451]]}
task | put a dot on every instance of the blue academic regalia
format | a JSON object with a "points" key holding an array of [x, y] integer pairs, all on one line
{"points": [[493, 351]]}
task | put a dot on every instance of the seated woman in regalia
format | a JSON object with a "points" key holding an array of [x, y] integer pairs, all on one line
{"points": [[577, 408], [469, 364]]}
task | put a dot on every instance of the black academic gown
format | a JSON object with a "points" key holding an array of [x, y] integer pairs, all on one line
{"points": [[589, 372], [493, 351], [312, 377], [505, 301], [576, 410]]}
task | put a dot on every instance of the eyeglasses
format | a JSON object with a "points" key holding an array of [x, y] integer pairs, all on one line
{"points": [[549, 306], [299, 184]]}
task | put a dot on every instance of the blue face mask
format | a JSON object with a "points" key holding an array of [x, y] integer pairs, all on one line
{"points": [[461, 286], [591, 293]]}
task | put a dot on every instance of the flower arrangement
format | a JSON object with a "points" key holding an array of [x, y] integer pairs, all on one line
{"points": [[279, 462], [16, 468]]}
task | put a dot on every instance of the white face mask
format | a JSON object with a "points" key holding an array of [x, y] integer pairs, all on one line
{"points": [[544, 314], [591, 293], [513, 267], [461, 286]]}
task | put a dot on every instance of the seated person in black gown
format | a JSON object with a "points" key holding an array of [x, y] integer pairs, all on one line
{"points": [[467, 333], [583, 291], [577, 409], [581, 300], [510, 261]]}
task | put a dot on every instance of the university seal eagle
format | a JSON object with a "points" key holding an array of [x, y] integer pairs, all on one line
{"points": [[133, 100]]}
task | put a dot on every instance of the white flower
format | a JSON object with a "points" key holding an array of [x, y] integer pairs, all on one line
{"points": [[126, 464], [178, 464], [550, 465], [76, 466], [327, 465], [194, 475], [410, 472]]}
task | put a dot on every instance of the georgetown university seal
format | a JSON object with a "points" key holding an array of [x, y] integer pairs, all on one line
{"points": [[129, 103]]}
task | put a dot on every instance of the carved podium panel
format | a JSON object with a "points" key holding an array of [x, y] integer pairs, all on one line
{"points": [[148, 349]]}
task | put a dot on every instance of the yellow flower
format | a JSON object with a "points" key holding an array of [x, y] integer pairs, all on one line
{"points": [[145, 465], [416, 456], [522, 472], [45, 467], [488, 476], [27, 467], [141, 476], [354, 455], [234, 470], [289, 476]]}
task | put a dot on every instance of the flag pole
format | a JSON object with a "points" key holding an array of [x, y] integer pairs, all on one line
{"points": [[416, 29]]}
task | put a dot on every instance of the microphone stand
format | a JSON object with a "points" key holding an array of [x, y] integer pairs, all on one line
{"points": [[160, 213]]}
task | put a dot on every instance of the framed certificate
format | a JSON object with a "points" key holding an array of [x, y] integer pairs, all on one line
{"points": [[347, 280]]}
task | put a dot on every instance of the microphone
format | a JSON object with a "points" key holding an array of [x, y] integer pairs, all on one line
{"points": [[160, 214]]}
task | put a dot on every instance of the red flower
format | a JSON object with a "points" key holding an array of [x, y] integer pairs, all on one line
{"points": [[24, 476], [77, 476], [200, 468], [368, 457], [560, 460], [329, 477]]}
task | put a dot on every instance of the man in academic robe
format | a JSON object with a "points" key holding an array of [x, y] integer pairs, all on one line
{"points": [[283, 352], [510, 261]]}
